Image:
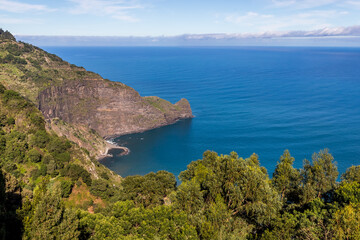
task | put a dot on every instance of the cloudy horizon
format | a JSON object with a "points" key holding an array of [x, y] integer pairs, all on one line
{"points": [[339, 36], [187, 21]]}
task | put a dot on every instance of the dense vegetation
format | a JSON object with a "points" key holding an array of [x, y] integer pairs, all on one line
{"points": [[50, 188], [6, 35], [48, 192], [38, 166], [29, 69]]}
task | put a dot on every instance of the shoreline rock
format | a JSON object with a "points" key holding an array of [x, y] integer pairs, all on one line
{"points": [[110, 108], [80, 105], [111, 146]]}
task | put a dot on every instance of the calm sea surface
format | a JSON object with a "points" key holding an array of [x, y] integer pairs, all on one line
{"points": [[261, 100]]}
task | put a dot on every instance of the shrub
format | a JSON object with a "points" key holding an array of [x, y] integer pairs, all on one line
{"points": [[2, 88], [2, 144], [10, 94], [62, 157], [58, 145], [40, 139], [42, 170], [36, 119], [10, 167], [14, 49], [34, 156], [75, 172], [104, 176], [14, 100], [15, 150], [101, 188], [11, 121], [66, 188]]}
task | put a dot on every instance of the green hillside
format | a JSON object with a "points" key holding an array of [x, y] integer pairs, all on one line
{"points": [[50, 188], [31, 156], [28, 69], [82, 99]]}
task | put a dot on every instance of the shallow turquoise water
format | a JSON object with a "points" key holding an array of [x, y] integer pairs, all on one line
{"points": [[261, 100]]}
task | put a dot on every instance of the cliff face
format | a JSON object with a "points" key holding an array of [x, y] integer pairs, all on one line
{"points": [[81, 135], [79, 97], [110, 108]]}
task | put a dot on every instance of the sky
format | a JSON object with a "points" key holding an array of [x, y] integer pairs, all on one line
{"points": [[240, 18]]}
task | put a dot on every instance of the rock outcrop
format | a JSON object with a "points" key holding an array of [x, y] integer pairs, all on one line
{"points": [[79, 97], [110, 108]]}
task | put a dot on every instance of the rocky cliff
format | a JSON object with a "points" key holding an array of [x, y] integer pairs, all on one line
{"points": [[79, 97], [110, 108]]}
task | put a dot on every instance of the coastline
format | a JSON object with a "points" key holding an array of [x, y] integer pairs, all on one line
{"points": [[111, 145], [109, 138]]}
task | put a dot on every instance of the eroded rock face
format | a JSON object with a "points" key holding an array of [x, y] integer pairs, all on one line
{"points": [[110, 108]]}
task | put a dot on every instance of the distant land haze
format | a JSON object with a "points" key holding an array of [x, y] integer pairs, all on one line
{"points": [[339, 36]]}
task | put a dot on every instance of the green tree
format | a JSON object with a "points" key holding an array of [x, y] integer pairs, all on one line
{"points": [[34, 156], [101, 188], [75, 171], [149, 190], [189, 197], [319, 176], [126, 221], [51, 220], [286, 178], [348, 192], [347, 222], [40, 139], [242, 183], [66, 187], [352, 174]]}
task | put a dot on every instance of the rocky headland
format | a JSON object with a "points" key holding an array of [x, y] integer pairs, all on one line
{"points": [[110, 108], [80, 104]]}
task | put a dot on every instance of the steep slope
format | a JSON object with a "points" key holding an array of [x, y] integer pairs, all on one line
{"points": [[79, 97], [82, 136], [29, 151], [109, 108]]}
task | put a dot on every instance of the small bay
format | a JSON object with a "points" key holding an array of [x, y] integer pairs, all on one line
{"points": [[245, 99]]}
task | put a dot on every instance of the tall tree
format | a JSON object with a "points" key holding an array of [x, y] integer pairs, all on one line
{"points": [[286, 178], [320, 175], [352, 174], [49, 218]]}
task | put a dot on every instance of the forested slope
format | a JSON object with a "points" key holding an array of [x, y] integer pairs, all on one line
{"points": [[32, 158], [79, 97], [50, 188]]}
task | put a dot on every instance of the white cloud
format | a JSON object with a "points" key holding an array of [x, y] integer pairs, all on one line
{"points": [[10, 20], [249, 18], [324, 32], [354, 3], [321, 14], [306, 20], [18, 7], [117, 9], [302, 4], [283, 3]]}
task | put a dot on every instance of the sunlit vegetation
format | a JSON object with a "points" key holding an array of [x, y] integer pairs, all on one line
{"points": [[39, 170], [52, 189], [29, 69], [48, 192]]}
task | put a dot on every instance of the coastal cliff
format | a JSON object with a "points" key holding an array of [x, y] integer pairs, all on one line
{"points": [[110, 108], [82, 98]]}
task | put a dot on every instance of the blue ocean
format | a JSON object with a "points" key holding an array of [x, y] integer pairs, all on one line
{"points": [[259, 100]]}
